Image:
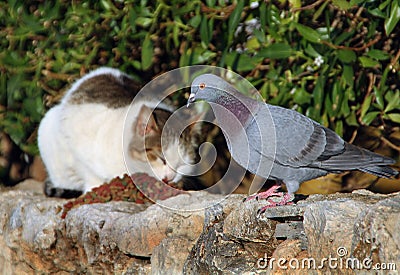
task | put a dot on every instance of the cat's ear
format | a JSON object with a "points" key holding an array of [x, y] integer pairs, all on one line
{"points": [[146, 124]]}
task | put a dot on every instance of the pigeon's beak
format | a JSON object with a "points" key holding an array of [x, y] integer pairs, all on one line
{"points": [[191, 99]]}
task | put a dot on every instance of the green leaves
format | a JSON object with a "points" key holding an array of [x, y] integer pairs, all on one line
{"points": [[308, 33], [394, 17], [348, 75], [373, 58], [378, 55], [388, 106], [366, 104], [302, 97], [367, 62], [368, 118], [147, 53], [196, 56], [395, 117], [144, 22], [241, 62], [342, 4], [276, 51], [234, 19], [318, 96], [346, 56], [320, 59], [206, 29], [393, 100], [389, 10]]}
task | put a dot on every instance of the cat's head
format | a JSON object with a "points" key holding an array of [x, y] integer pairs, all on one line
{"points": [[168, 159]]}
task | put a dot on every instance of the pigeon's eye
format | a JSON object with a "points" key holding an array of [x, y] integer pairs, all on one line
{"points": [[202, 86]]}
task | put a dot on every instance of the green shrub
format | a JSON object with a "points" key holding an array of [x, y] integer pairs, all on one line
{"points": [[336, 61]]}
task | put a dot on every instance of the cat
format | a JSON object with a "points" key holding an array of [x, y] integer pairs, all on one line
{"points": [[80, 140]]}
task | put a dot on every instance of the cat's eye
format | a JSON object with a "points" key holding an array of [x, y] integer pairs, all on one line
{"points": [[202, 86], [163, 160], [158, 155]]}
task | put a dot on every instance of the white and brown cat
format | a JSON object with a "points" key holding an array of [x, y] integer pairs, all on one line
{"points": [[80, 140]]}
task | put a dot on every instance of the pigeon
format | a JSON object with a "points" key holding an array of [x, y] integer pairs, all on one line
{"points": [[282, 144]]}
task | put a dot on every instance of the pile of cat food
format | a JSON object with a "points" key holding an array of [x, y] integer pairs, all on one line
{"points": [[125, 189]]}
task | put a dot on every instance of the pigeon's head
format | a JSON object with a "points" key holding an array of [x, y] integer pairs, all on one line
{"points": [[207, 87]]}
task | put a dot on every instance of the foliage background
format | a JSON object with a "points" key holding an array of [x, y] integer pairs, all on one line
{"points": [[336, 61]]}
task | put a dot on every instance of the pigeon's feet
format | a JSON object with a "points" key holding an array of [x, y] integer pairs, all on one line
{"points": [[274, 198], [271, 192], [286, 200]]}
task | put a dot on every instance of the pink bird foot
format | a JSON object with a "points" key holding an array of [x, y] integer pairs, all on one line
{"points": [[271, 192], [286, 200]]}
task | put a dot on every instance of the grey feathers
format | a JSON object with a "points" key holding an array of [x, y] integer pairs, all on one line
{"points": [[284, 144]]}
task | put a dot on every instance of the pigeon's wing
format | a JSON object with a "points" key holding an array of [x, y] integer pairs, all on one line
{"points": [[355, 157], [302, 142], [299, 141]]}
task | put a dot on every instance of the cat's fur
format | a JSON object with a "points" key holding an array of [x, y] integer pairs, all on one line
{"points": [[80, 140]]}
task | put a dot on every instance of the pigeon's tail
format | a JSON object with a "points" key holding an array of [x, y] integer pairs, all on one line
{"points": [[380, 171], [356, 158]]}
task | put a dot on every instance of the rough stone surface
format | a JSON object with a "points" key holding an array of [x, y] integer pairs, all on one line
{"points": [[112, 237], [181, 235], [360, 230], [377, 232]]}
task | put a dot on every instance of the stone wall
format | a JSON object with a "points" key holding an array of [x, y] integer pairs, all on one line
{"points": [[228, 237]]}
